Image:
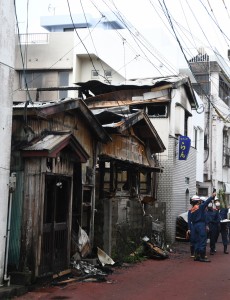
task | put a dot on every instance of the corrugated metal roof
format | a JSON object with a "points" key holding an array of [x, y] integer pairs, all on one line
{"points": [[48, 109], [40, 103], [48, 143], [53, 143]]}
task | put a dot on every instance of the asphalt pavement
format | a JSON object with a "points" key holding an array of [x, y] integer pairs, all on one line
{"points": [[177, 277]]}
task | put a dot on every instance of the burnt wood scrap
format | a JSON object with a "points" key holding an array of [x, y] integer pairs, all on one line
{"points": [[153, 251], [81, 271]]}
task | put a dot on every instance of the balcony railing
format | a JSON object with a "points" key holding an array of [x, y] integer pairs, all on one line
{"points": [[34, 38]]}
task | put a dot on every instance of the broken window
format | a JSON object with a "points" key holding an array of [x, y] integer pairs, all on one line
{"points": [[145, 183], [153, 110], [116, 178], [157, 111]]}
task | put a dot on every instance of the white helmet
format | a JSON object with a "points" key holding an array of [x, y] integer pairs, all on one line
{"points": [[195, 198], [203, 198]]}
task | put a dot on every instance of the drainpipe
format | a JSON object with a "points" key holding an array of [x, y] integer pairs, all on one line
{"points": [[12, 186]]}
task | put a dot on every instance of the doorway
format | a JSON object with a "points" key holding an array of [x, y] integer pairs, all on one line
{"points": [[55, 236]]}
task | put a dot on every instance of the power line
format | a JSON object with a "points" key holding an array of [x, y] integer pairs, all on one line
{"points": [[75, 29], [139, 39], [6, 65]]}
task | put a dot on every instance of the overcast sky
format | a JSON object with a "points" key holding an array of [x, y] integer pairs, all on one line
{"points": [[196, 23]]}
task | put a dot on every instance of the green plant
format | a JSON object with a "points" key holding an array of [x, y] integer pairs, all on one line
{"points": [[222, 198]]}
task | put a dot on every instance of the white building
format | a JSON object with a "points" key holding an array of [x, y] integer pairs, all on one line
{"points": [[212, 75], [7, 35]]}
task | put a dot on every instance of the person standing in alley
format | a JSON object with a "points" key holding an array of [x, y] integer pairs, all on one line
{"points": [[190, 231], [198, 219], [223, 215], [213, 219]]}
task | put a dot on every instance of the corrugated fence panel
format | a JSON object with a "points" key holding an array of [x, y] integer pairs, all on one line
{"points": [[15, 227]]}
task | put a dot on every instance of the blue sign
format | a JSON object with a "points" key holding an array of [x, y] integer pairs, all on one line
{"points": [[184, 147]]}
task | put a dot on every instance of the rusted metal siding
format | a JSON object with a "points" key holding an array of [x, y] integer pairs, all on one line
{"points": [[126, 148]]}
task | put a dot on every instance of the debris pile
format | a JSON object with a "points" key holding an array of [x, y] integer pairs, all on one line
{"points": [[153, 251], [89, 272]]}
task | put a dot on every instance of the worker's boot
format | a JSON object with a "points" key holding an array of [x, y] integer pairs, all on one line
{"points": [[203, 258], [196, 256], [192, 251], [212, 252], [225, 249]]}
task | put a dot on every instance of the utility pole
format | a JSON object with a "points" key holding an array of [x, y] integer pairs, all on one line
{"points": [[7, 51]]}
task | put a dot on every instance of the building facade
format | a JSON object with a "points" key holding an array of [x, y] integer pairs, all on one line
{"points": [[212, 84]]}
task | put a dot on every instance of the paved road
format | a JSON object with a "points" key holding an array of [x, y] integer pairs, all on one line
{"points": [[178, 277]]}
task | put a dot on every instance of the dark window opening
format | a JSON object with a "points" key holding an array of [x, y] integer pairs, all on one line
{"points": [[203, 192], [86, 209], [195, 138], [224, 91], [205, 142], [63, 81], [157, 111], [153, 110], [119, 179], [31, 79], [186, 124]]}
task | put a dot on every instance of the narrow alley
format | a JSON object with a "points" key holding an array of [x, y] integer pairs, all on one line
{"points": [[178, 277]]}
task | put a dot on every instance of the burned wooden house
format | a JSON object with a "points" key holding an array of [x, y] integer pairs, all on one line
{"points": [[170, 104], [54, 154], [127, 175]]}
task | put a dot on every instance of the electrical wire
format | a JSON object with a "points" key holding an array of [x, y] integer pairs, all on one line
{"points": [[140, 41], [226, 8], [75, 29], [106, 78], [6, 65], [36, 77]]}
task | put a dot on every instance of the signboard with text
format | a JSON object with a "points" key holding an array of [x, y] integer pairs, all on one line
{"points": [[184, 147]]}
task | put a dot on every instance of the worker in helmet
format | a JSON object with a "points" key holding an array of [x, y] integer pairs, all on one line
{"points": [[212, 219], [190, 231], [223, 215], [198, 219]]}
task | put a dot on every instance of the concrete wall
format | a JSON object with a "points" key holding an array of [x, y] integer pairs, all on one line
{"points": [[7, 40]]}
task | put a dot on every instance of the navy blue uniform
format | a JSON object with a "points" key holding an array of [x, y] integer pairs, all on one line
{"points": [[192, 235], [223, 213], [213, 219], [198, 219]]}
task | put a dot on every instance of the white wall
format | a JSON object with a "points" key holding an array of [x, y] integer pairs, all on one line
{"points": [[198, 122], [7, 39]]}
